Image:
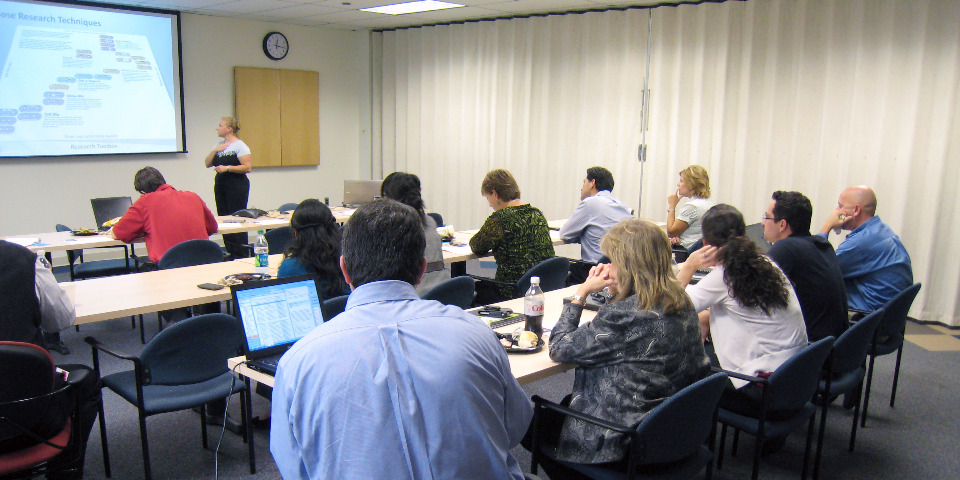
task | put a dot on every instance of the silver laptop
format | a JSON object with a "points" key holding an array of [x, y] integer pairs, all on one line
{"points": [[755, 233], [360, 192]]}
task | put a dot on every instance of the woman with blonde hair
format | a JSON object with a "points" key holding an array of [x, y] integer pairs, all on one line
{"points": [[232, 161], [642, 347], [687, 205]]}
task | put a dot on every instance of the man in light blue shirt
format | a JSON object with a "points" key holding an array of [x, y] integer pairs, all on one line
{"points": [[597, 213], [874, 262], [395, 387]]}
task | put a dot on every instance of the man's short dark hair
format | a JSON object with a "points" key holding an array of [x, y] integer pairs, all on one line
{"points": [[383, 240], [148, 180], [795, 208], [602, 176]]}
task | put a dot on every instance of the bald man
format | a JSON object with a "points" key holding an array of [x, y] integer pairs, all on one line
{"points": [[874, 263]]}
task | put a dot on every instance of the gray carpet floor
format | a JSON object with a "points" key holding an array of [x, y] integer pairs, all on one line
{"points": [[916, 440]]}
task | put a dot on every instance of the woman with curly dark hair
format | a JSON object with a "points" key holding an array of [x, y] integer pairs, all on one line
{"points": [[315, 248], [754, 316]]}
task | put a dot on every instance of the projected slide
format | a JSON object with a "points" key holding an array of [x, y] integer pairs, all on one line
{"points": [[81, 82]]}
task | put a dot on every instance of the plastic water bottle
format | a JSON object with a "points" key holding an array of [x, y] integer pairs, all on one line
{"points": [[42, 255], [533, 307], [261, 254]]}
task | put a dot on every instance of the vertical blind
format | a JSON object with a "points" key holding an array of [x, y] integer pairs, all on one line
{"points": [[806, 95]]}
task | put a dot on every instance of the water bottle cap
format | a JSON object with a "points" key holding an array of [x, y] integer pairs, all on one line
{"points": [[534, 280]]}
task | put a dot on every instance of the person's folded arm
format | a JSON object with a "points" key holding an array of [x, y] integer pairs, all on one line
{"points": [[130, 225], [573, 228], [585, 345], [489, 235]]}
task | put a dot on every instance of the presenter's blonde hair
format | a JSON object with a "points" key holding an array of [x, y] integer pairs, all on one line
{"points": [[232, 123]]}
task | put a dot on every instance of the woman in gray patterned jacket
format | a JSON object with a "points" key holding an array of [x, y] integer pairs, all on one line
{"points": [[641, 348]]}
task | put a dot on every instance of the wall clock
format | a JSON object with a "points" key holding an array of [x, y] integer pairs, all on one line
{"points": [[275, 45]]}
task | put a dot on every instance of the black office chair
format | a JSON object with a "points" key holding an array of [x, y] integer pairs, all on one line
{"points": [[332, 307], [278, 239], [889, 339], [791, 388], [673, 441], [31, 414], [186, 254], [552, 272], [183, 367], [288, 207], [458, 291], [99, 268], [844, 374], [437, 218]]}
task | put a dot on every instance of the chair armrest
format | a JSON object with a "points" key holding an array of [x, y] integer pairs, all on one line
{"points": [[97, 345], [741, 376], [490, 280], [542, 402]]}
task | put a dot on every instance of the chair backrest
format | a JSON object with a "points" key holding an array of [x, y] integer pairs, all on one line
{"points": [[895, 318], [458, 291], [676, 428], [190, 253], [852, 346], [26, 371], [795, 381], [437, 218], [288, 207], [109, 207], [332, 307], [192, 350], [552, 272], [278, 239]]}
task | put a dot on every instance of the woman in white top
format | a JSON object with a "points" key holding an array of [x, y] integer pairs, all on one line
{"points": [[232, 161], [754, 316], [686, 206]]}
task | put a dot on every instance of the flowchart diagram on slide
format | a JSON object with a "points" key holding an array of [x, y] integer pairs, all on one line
{"points": [[79, 89]]}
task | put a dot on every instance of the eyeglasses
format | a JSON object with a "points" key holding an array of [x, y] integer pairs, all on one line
{"points": [[765, 217]]}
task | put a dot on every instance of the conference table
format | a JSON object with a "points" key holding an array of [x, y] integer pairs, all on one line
{"points": [[62, 241], [526, 367]]}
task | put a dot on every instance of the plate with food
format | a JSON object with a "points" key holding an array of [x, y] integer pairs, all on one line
{"points": [[238, 278], [521, 342], [84, 232]]}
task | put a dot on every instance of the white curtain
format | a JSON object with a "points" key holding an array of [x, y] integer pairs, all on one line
{"points": [[807, 95]]}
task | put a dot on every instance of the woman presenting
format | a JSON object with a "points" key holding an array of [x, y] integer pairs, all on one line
{"points": [[231, 188]]}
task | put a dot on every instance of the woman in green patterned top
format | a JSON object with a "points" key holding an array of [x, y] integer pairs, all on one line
{"points": [[516, 232]]}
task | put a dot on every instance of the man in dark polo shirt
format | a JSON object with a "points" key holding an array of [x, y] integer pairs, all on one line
{"points": [[810, 263]]}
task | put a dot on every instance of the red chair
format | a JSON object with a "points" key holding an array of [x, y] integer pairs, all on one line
{"points": [[33, 440]]}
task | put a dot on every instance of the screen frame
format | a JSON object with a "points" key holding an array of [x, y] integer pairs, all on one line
{"points": [[178, 93]]}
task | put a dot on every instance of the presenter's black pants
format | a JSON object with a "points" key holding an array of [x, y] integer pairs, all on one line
{"points": [[231, 191]]}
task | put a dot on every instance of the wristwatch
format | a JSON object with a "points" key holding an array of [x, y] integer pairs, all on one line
{"points": [[579, 298]]}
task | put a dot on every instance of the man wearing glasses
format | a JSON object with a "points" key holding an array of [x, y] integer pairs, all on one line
{"points": [[808, 261], [874, 263]]}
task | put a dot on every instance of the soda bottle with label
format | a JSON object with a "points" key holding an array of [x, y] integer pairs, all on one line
{"points": [[533, 307], [261, 254]]}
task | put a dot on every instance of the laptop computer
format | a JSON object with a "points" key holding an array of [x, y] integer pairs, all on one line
{"points": [[109, 207], [360, 192], [755, 232], [274, 315]]}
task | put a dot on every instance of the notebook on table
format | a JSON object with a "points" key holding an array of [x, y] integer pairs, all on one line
{"points": [[274, 315]]}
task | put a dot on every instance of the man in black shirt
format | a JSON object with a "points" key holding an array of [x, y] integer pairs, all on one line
{"points": [[810, 263]]}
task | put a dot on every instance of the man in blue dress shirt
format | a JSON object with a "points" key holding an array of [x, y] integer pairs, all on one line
{"points": [[596, 214], [874, 263], [395, 387]]}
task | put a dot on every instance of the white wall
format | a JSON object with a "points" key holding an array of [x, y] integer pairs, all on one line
{"points": [[36, 194]]}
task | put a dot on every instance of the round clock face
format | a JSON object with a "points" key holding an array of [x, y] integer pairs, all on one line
{"points": [[275, 45]]}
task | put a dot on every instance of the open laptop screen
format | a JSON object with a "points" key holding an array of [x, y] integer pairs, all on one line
{"points": [[360, 192], [277, 313]]}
